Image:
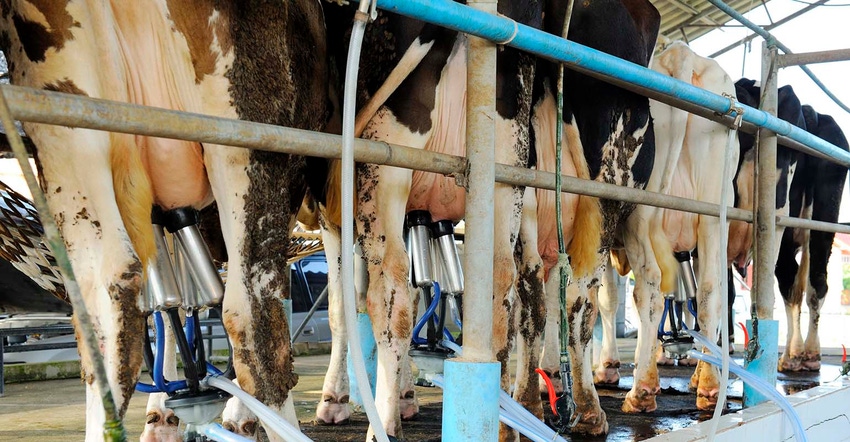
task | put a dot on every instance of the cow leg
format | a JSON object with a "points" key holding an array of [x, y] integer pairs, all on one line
{"points": [[649, 305], [160, 422], [820, 248], [550, 356], [333, 409], [532, 314], [106, 268], [581, 308], [608, 370], [792, 280], [708, 306], [382, 195], [256, 213]]}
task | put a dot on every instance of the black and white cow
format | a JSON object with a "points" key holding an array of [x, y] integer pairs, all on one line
{"points": [[807, 187], [816, 192], [608, 137], [426, 111], [218, 58]]}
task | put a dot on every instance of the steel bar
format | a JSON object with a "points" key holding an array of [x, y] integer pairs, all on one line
{"points": [[768, 28], [481, 151], [591, 62], [56, 108], [771, 39], [788, 221], [471, 411], [765, 223], [814, 57]]}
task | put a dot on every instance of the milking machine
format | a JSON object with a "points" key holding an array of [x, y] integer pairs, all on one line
{"points": [[435, 270], [189, 282], [678, 341]]}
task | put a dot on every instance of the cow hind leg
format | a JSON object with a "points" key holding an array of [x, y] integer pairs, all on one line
{"points": [[709, 306], [649, 305], [107, 270], [608, 370], [333, 408], [532, 314], [793, 280], [257, 211], [820, 246], [161, 424], [581, 308], [549, 358], [380, 213]]}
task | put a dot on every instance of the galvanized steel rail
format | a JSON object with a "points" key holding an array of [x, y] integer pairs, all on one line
{"points": [[39, 106]]}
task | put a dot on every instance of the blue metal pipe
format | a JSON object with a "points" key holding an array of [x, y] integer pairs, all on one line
{"points": [[462, 18]]}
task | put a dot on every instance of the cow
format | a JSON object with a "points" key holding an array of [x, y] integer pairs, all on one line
{"points": [[426, 111], [608, 137], [690, 155], [815, 194], [217, 58]]}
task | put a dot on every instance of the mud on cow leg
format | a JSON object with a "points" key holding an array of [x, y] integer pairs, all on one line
{"points": [[581, 316]]}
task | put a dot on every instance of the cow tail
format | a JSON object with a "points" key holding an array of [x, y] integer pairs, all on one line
{"points": [[664, 257], [620, 261], [584, 248], [333, 196], [133, 195]]}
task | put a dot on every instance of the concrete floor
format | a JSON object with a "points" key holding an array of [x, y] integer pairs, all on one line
{"points": [[54, 410]]}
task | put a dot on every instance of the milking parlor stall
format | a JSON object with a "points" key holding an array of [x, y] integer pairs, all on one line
{"points": [[471, 369]]}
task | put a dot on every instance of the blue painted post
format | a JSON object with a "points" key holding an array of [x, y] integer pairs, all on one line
{"points": [[765, 365], [471, 383], [370, 354]]}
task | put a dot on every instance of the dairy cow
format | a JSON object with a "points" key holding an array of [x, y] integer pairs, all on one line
{"points": [[218, 58]]}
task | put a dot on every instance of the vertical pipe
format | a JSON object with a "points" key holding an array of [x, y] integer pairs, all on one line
{"points": [[766, 332], [765, 216], [763, 366], [481, 153], [471, 411]]}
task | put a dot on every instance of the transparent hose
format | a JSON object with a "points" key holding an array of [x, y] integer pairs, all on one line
{"points": [[762, 387], [347, 235], [270, 419], [217, 433]]}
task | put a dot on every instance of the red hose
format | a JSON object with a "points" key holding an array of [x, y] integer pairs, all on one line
{"points": [[843, 354], [746, 335], [552, 396]]}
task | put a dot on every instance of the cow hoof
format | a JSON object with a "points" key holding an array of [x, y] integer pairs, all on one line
{"points": [[246, 427], [161, 426], [811, 362], [555, 377], [664, 360], [790, 363], [707, 398], [608, 373], [641, 399], [688, 362], [408, 406], [333, 411], [592, 423]]}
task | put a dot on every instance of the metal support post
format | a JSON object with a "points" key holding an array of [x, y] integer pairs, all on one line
{"points": [[766, 332], [471, 410]]}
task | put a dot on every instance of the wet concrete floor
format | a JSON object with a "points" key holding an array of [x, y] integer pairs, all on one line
{"points": [[50, 411]]}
